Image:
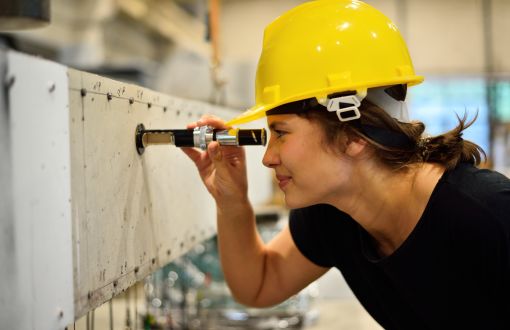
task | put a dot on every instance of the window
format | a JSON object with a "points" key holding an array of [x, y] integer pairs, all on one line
{"points": [[436, 101]]}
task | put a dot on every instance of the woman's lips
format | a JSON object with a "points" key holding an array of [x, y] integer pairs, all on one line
{"points": [[283, 181]]}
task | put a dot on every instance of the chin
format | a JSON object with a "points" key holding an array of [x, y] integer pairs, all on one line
{"points": [[297, 203]]}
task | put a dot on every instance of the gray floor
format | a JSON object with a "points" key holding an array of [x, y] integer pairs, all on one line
{"points": [[333, 314], [342, 314]]}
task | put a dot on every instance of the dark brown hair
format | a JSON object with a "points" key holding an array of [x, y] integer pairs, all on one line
{"points": [[448, 149]]}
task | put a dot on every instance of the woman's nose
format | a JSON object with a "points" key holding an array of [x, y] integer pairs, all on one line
{"points": [[270, 158]]}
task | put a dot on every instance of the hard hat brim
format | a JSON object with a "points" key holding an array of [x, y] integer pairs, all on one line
{"points": [[259, 111]]}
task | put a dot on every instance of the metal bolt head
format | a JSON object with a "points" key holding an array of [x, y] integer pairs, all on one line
{"points": [[109, 96], [52, 86], [139, 132], [9, 81]]}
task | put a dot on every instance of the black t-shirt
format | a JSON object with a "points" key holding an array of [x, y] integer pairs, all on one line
{"points": [[452, 272]]}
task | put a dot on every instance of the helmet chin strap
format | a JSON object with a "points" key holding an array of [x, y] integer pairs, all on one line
{"points": [[347, 106], [396, 109]]}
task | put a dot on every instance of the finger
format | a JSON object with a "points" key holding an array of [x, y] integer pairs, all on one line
{"points": [[209, 116], [201, 159], [202, 121], [192, 125], [208, 120], [225, 158], [212, 121], [193, 154], [232, 154], [213, 149]]}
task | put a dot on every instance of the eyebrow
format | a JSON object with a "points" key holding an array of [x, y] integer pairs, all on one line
{"points": [[274, 124]]}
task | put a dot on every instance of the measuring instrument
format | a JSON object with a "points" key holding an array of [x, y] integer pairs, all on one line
{"points": [[198, 137]]}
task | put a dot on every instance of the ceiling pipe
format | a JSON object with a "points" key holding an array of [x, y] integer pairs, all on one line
{"points": [[24, 14]]}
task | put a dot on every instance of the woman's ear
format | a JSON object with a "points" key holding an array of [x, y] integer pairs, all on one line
{"points": [[355, 146]]}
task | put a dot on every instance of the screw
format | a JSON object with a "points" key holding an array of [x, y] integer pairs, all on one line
{"points": [[136, 269], [51, 86], [83, 92], [131, 100], [153, 261], [164, 109], [9, 82], [109, 96], [149, 105]]}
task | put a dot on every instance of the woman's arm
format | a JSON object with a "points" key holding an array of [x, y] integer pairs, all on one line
{"points": [[258, 274]]}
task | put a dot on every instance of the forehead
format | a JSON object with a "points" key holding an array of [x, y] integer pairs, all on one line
{"points": [[285, 120], [294, 123]]}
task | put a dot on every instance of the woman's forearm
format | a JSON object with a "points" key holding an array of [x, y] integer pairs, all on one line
{"points": [[241, 250]]}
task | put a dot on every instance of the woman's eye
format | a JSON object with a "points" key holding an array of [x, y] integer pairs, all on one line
{"points": [[279, 133]]}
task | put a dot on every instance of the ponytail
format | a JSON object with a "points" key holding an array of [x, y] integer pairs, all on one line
{"points": [[450, 149]]}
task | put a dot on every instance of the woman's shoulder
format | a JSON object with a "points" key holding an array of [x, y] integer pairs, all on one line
{"points": [[484, 188], [478, 181]]}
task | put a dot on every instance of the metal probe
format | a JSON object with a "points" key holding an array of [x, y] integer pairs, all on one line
{"points": [[198, 137]]}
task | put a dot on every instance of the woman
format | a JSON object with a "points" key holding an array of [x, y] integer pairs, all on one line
{"points": [[420, 234]]}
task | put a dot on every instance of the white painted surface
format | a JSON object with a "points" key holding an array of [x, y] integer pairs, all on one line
{"points": [[134, 214], [40, 151], [9, 301], [90, 216], [135, 208]]}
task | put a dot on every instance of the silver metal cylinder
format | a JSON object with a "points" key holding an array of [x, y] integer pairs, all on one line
{"points": [[226, 139], [202, 136]]}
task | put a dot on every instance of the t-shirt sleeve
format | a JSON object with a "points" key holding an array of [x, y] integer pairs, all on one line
{"points": [[308, 235]]}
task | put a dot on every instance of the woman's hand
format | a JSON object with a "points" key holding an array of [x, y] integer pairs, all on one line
{"points": [[222, 168]]}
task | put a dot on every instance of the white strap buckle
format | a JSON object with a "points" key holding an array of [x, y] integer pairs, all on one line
{"points": [[346, 107]]}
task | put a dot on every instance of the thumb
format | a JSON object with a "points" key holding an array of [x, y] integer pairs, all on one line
{"points": [[215, 153]]}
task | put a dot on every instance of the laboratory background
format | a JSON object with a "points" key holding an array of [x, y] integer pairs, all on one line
{"points": [[98, 232]]}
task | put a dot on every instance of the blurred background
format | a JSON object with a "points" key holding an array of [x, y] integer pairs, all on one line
{"points": [[207, 50]]}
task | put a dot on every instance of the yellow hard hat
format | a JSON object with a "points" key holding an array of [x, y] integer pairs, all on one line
{"points": [[327, 46]]}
